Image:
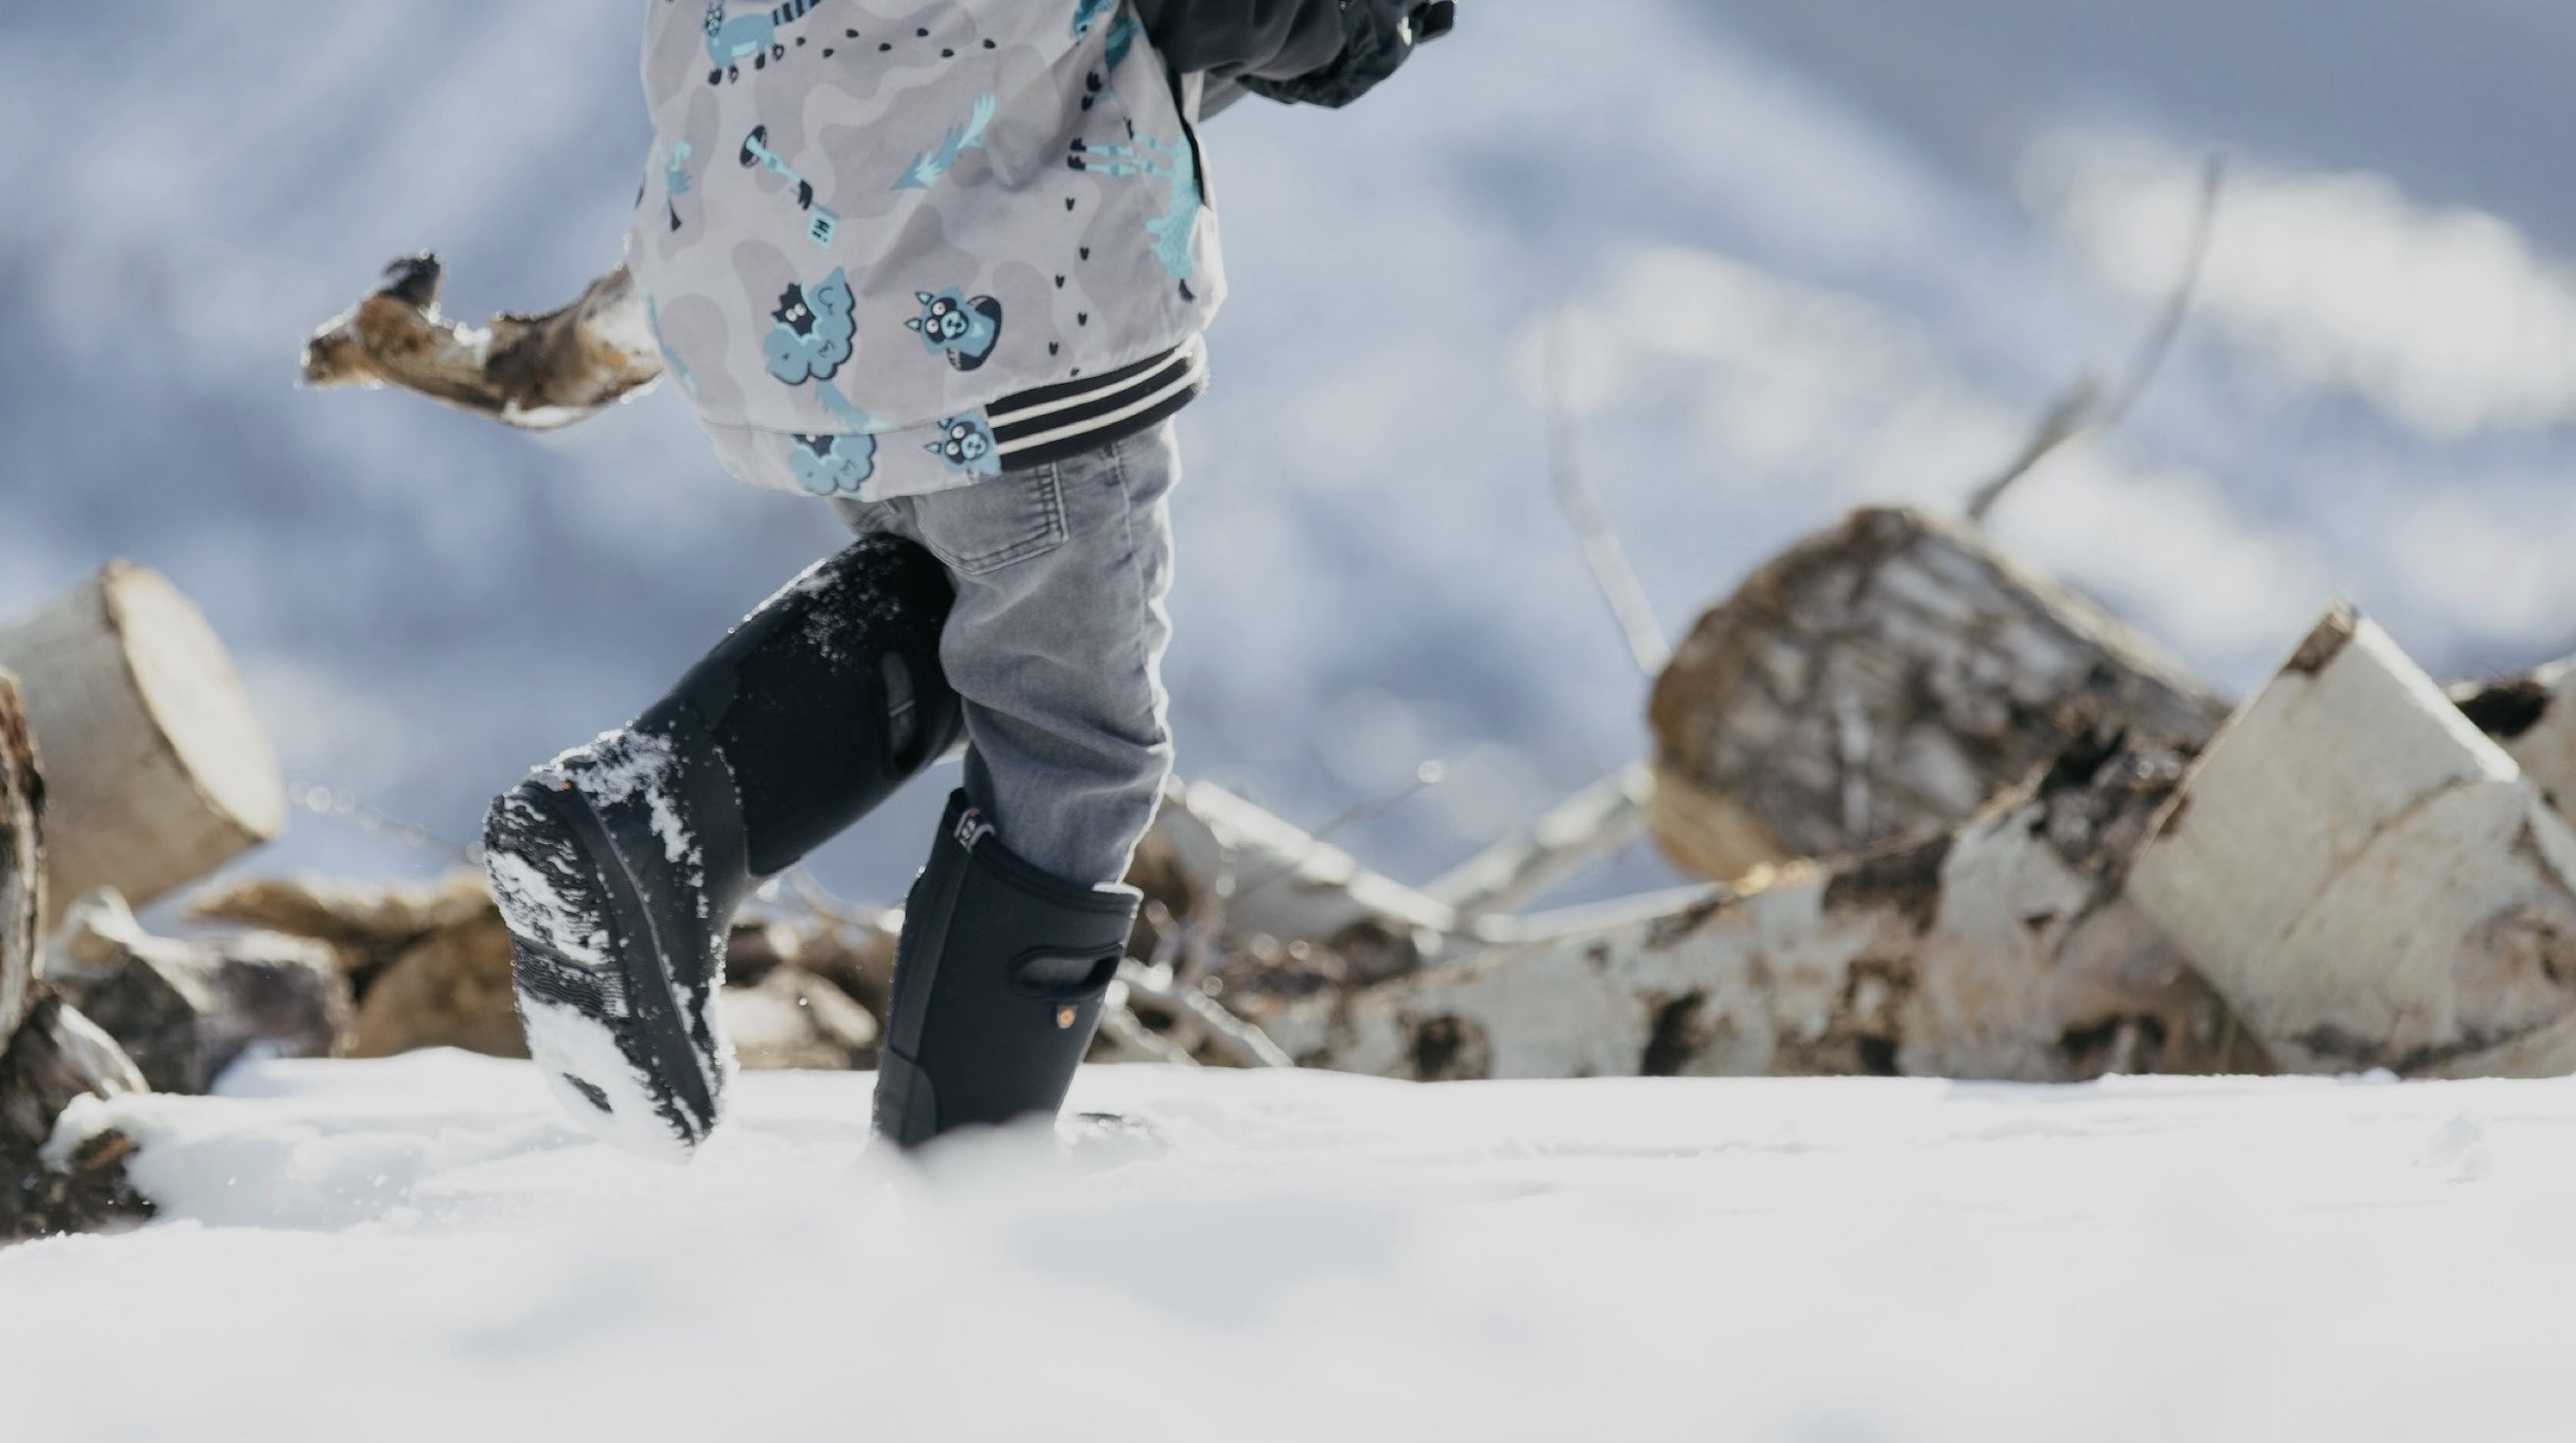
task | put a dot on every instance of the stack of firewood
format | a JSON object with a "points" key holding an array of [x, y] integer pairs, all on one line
{"points": [[1957, 821]]}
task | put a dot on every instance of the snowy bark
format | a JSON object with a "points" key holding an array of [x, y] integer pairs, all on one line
{"points": [[2534, 719], [2370, 880], [156, 769], [56, 1058], [22, 862], [185, 1010], [536, 372], [1999, 949], [1885, 679]]}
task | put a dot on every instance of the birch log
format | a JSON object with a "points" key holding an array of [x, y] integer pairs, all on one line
{"points": [[1999, 949], [22, 862], [1883, 679], [2368, 879], [156, 769], [2533, 718]]}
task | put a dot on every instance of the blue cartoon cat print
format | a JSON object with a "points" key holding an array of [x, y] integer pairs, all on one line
{"points": [[965, 330], [966, 446]]}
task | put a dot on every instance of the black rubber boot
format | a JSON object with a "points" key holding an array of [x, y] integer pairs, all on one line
{"points": [[618, 866], [998, 981]]}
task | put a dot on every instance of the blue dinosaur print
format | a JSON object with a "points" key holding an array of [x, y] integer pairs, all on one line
{"points": [[814, 332], [752, 37], [1087, 13], [832, 465], [1167, 161], [670, 359], [930, 165], [675, 178], [965, 330], [966, 446]]}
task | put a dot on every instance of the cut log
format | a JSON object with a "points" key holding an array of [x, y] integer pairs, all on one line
{"points": [[156, 769], [2533, 718], [1279, 881], [1886, 679], [535, 372], [22, 862], [187, 1009], [449, 989], [57, 1058], [1997, 950], [370, 926], [2370, 880]]}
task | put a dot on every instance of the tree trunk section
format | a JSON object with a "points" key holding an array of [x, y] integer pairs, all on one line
{"points": [[1998, 949], [2368, 879], [156, 769], [1886, 679], [22, 862]]}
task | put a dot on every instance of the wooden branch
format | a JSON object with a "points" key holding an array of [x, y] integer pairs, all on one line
{"points": [[534, 372], [157, 770], [22, 861], [1599, 819], [2368, 879], [1999, 950], [1883, 679], [1280, 881], [1602, 552], [2085, 409]]}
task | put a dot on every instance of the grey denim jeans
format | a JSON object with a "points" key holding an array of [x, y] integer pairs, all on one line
{"points": [[1055, 645]]}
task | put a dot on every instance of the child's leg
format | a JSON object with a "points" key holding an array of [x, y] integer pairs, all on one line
{"points": [[1054, 645]]}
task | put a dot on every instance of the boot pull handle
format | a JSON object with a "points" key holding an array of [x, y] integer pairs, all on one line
{"points": [[1058, 977]]}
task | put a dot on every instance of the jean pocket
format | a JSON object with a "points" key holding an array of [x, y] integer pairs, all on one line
{"points": [[991, 524]]}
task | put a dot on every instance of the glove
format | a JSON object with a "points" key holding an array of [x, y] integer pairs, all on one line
{"points": [[1378, 37]]}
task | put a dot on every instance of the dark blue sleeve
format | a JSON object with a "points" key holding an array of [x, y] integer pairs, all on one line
{"points": [[1228, 39]]}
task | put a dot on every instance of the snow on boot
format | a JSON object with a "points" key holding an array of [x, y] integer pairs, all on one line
{"points": [[998, 982], [618, 865]]}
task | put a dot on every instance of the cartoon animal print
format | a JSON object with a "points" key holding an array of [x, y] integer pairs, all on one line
{"points": [[1166, 161], [752, 37], [965, 330], [813, 333], [820, 223], [931, 164], [675, 178], [832, 465], [966, 446]]}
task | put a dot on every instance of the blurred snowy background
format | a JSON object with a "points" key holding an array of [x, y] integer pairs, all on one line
{"points": [[1819, 252]]}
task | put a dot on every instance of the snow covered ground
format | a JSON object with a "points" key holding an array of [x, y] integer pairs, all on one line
{"points": [[418, 1249]]}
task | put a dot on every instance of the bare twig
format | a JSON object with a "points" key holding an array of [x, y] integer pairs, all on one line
{"points": [[344, 805], [1601, 817], [2086, 408], [1582, 506], [1426, 776]]}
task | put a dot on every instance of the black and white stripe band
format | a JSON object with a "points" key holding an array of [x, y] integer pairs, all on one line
{"points": [[1051, 423]]}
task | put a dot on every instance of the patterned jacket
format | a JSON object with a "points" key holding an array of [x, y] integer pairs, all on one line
{"points": [[893, 246]]}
